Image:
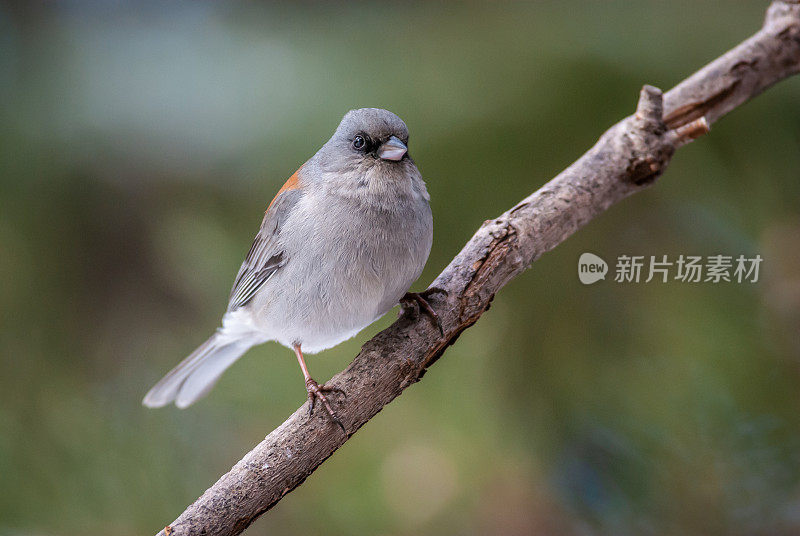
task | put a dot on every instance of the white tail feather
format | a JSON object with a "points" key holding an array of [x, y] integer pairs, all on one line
{"points": [[194, 377]]}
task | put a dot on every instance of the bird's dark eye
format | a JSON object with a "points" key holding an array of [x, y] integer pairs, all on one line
{"points": [[359, 142]]}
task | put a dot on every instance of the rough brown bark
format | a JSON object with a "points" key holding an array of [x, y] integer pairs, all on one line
{"points": [[627, 158]]}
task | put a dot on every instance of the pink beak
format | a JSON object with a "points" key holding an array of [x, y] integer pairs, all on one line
{"points": [[393, 149]]}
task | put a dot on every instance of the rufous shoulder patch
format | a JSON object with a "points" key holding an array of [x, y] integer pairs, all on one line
{"points": [[292, 184]]}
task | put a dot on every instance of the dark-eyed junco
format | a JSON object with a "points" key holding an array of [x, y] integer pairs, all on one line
{"points": [[339, 245]]}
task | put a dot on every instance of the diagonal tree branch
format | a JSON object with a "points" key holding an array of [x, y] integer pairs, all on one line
{"points": [[627, 158]]}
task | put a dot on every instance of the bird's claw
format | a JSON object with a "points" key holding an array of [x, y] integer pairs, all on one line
{"points": [[420, 299], [317, 391]]}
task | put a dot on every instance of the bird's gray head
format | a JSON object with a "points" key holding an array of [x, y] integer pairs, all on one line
{"points": [[367, 140], [373, 132], [367, 159]]}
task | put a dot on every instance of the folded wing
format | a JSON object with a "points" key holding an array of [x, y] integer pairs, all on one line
{"points": [[265, 256]]}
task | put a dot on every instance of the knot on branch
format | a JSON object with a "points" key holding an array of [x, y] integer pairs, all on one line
{"points": [[649, 147], [650, 110], [650, 140]]}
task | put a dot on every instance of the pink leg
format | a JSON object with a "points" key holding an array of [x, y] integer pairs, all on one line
{"points": [[317, 391]]}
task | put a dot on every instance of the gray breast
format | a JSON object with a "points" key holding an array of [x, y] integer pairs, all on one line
{"points": [[344, 269]]}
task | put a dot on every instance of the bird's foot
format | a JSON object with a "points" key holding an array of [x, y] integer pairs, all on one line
{"points": [[317, 391], [420, 298]]}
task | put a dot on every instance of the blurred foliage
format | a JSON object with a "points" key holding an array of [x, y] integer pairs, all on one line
{"points": [[140, 143]]}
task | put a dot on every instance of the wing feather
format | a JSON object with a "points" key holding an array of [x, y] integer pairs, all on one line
{"points": [[265, 256]]}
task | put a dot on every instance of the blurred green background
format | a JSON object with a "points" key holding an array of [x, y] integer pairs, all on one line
{"points": [[140, 143]]}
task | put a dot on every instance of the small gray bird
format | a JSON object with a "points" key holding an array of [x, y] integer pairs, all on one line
{"points": [[339, 245]]}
